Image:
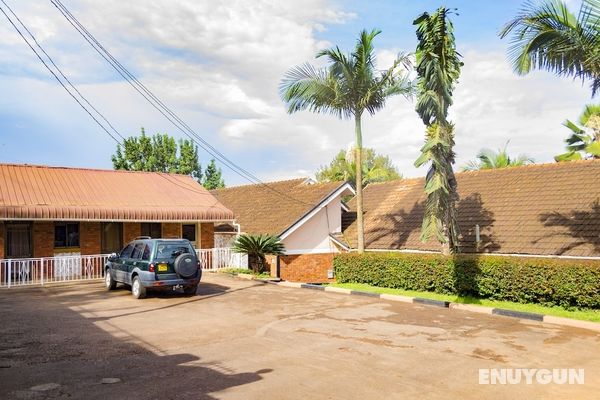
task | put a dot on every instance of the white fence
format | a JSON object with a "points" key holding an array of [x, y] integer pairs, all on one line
{"points": [[39, 271], [65, 268], [215, 259]]}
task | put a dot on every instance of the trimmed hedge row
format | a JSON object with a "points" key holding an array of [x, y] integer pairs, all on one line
{"points": [[568, 283]]}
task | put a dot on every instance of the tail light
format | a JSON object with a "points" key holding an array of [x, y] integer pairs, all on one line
{"points": [[151, 267]]}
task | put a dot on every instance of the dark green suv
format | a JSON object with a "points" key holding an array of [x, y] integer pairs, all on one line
{"points": [[157, 264]]}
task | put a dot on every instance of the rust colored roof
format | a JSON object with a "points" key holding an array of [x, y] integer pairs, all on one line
{"points": [[273, 209], [543, 209], [58, 193]]}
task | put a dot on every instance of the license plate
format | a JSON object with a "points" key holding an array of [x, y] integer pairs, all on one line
{"points": [[162, 267]]}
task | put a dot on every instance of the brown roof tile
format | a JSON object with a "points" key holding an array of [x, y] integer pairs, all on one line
{"points": [[59, 193], [549, 209], [273, 209]]}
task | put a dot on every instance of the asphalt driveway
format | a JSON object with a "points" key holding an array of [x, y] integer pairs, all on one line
{"points": [[241, 339]]}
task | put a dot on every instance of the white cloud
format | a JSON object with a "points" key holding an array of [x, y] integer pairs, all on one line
{"points": [[219, 65]]}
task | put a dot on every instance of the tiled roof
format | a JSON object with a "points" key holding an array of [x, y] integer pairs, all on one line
{"points": [[273, 209], [58, 193], [543, 209]]}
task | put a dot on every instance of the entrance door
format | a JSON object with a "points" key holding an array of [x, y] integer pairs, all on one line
{"points": [[18, 240]]}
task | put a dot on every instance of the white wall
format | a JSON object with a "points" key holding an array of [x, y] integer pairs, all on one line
{"points": [[313, 235]]}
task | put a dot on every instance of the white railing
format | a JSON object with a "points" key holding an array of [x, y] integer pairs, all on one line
{"points": [[215, 259], [40, 271]]}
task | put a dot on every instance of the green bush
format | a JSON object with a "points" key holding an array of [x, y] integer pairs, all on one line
{"points": [[567, 283]]}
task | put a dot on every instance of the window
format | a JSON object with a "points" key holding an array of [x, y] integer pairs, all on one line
{"points": [[126, 252], [137, 251], [66, 234], [189, 232], [18, 240], [112, 237], [146, 254], [152, 229]]}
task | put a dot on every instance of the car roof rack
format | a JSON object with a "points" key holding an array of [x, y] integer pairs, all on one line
{"points": [[142, 237]]}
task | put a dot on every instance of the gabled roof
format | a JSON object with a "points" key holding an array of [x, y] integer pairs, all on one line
{"points": [[276, 207], [59, 193], [542, 209]]}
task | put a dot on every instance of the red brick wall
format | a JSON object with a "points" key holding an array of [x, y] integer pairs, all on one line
{"points": [[207, 235], [171, 230], [311, 268], [89, 237], [43, 239], [1, 239], [131, 230]]}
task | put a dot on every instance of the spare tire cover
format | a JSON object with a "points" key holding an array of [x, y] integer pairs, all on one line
{"points": [[185, 265]]}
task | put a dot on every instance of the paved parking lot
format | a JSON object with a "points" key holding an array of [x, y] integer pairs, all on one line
{"points": [[241, 339]]}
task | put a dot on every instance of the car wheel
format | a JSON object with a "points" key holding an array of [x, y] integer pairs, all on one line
{"points": [[111, 284], [138, 291], [190, 290]]}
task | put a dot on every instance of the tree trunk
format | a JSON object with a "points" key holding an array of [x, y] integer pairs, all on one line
{"points": [[359, 194]]}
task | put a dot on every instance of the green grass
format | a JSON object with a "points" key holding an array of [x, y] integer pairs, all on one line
{"points": [[585, 315], [236, 271]]}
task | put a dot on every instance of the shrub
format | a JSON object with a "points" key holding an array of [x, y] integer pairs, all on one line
{"points": [[567, 283]]}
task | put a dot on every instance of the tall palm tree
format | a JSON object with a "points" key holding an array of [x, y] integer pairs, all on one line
{"points": [[438, 69], [583, 142], [489, 159], [549, 36], [347, 88]]}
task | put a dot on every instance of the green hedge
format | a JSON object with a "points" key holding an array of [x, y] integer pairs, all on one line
{"points": [[567, 283]]}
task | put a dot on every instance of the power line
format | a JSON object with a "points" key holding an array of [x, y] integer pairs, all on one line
{"points": [[158, 104], [53, 73]]}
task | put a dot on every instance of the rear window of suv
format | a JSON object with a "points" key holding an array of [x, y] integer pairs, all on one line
{"points": [[172, 250]]}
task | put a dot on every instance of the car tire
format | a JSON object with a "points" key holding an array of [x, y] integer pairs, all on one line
{"points": [[186, 265], [190, 290], [137, 290], [110, 283]]}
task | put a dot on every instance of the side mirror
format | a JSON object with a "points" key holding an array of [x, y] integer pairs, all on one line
{"points": [[113, 257]]}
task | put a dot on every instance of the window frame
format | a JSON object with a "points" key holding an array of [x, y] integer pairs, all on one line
{"points": [[195, 232], [66, 224], [29, 228]]}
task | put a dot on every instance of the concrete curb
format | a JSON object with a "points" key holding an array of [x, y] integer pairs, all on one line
{"points": [[456, 306]]}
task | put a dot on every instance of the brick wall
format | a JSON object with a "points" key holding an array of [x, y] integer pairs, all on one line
{"points": [[207, 235], [1, 239], [89, 237], [311, 268], [171, 230], [131, 230], [43, 239]]}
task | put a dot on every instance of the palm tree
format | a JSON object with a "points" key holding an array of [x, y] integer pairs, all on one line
{"points": [[438, 69], [348, 87], [376, 168], [489, 159], [549, 36], [583, 142], [257, 246]]}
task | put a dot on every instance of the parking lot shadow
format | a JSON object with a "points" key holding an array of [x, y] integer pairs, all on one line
{"points": [[47, 343]]}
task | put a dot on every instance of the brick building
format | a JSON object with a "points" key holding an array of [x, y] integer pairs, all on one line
{"points": [[304, 214], [50, 211]]}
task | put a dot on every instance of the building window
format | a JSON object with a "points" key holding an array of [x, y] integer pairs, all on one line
{"points": [[189, 232], [112, 237], [66, 234], [18, 240], [152, 229]]}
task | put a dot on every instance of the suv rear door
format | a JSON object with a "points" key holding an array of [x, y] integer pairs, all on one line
{"points": [[165, 254], [135, 260]]}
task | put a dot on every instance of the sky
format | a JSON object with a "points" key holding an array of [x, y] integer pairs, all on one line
{"points": [[218, 64]]}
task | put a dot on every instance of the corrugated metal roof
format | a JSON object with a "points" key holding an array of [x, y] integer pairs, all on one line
{"points": [[59, 193]]}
